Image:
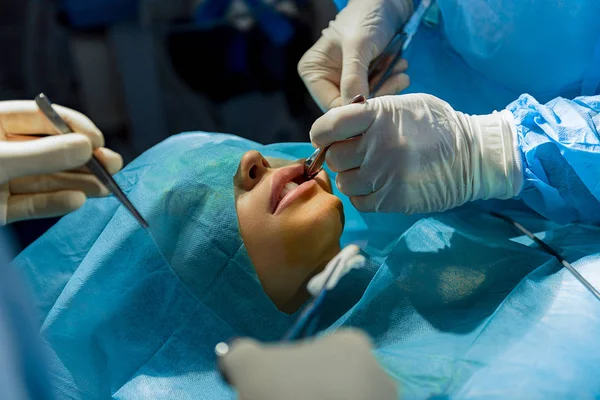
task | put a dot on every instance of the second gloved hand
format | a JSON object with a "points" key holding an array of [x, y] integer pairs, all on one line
{"points": [[45, 176], [418, 154], [335, 68], [336, 367]]}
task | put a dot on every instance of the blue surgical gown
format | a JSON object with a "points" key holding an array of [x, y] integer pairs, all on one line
{"points": [[485, 53]]}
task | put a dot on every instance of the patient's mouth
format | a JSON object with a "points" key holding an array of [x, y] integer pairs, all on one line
{"points": [[287, 185], [291, 185], [293, 192]]}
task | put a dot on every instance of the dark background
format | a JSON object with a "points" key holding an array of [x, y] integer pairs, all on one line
{"points": [[146, 69]]}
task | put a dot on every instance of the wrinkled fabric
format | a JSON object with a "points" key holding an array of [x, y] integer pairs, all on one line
{"points": [[458, 304], [466, 307], [486, 53], [22, 369], [560, 146], [130, 315]]}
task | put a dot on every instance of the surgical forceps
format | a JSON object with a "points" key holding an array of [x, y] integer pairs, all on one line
{"points": [[94, 165], [394, 49], [314, 163]]}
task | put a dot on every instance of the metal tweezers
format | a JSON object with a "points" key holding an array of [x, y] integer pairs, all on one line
{"points": [[94, 165]]}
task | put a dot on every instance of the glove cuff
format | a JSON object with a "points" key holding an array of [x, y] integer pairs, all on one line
{"points": [[498, 174]]}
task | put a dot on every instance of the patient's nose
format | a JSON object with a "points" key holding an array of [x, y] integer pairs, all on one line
{"points": [[254, 166]]}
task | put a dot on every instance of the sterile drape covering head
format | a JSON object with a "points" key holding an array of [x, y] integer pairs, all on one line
{"points": [[121, 307]]}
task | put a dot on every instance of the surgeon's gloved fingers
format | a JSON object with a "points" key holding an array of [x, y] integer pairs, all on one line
{"points": [[367, 203], [337, 366], [23, 117], [86, 183], [353, 183], [342, 123], [239, 361], [394, 84], [357, 56], [43, 205], [325, 94], [346, 155], [400, 67], [44, 155], [320, 70], [113, 162]]}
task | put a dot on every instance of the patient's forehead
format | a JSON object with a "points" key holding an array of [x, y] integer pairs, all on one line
{"points": [[280, 162]]}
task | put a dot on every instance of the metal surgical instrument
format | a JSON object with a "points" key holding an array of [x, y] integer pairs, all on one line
{"points": [[552, 252], [94, 165], [390, 56], [314, 163]]}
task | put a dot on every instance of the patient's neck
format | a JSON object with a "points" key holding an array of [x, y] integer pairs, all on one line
{"points": [[295, 302], [290, 304]]}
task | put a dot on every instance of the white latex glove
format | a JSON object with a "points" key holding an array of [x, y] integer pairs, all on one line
{"points": [[336, 68], [418, 154], [339, 366], [43, 177]]}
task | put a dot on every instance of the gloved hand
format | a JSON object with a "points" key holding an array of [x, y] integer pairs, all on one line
{"points": [[33, 181], [418, 154], [338, 366], [336, 68]]}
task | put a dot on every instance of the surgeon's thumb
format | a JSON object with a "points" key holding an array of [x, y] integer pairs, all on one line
{"points": [[357, 56]]}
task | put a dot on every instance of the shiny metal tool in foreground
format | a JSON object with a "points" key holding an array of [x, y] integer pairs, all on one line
{"points": [[94, 165]]}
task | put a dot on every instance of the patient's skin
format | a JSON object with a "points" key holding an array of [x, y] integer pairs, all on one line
{"points": [[287, 241]]}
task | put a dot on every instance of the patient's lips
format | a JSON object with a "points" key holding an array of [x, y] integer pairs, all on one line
{"points": [[287, 185]]}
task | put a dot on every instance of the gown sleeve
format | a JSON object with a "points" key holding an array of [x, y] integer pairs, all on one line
{"points": [[560, 147]]}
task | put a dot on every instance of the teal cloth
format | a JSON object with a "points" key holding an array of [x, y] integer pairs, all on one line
{"points": [[458, 304]]}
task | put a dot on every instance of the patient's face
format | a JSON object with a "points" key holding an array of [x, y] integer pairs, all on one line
{"points": [[291, 227]]}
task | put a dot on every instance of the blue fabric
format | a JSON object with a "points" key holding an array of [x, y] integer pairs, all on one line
{"points": [[130, 315], [464, 307], [458, 304], [499, 49], [560, 144], [22, 368]]}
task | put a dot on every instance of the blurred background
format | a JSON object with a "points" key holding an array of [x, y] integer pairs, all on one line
{"points": [[146, 69]]}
